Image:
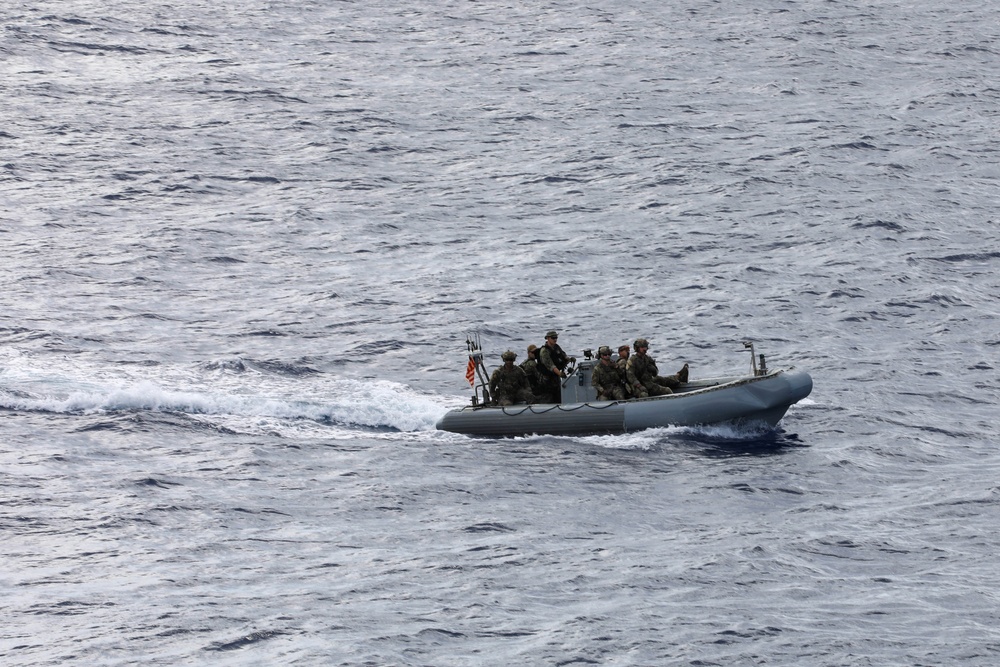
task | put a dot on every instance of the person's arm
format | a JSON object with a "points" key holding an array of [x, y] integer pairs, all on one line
{"points": [[546, 359], [630, 373]]}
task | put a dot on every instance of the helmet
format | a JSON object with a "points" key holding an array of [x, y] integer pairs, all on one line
{"points": [[602, 350], [623, 348], [508, 356], [640, 342], [532, 348]]}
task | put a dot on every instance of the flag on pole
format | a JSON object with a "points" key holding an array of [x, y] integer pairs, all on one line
{"points": [[470, 372]]}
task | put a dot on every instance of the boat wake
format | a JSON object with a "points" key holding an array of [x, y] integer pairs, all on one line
{"points": [[370, 404]]}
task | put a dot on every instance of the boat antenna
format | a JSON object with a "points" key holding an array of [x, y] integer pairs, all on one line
{"points": [[475, 346]]}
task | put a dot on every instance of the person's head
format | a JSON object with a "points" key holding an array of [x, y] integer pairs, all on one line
{"points": [[623, 351], [551, 337], [508, 357], [531, 351], [604, 352], [641, 345]]}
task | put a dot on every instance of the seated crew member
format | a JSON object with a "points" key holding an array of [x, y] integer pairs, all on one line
{"points": [[606, 378], [623, 351], [641, 374], [530, 368], [508, 384]]}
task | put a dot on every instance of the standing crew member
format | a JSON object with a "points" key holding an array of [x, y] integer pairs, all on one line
{"points": [[553, 362]]}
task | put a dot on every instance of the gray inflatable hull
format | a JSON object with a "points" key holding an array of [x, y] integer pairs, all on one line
{"points": [[764, 399]]}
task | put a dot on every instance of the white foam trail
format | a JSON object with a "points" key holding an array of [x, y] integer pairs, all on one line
{"points": [[641, 440], [654, 437], [372, 404], [382, 403], [747, 431]]}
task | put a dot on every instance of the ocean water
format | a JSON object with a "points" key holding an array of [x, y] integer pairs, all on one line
{"points": [[244, 243]]}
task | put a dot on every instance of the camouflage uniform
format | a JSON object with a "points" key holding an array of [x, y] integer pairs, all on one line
{"points": [[607, 379], [641, 373], [531, 369], [623, 369], [509, 385]]}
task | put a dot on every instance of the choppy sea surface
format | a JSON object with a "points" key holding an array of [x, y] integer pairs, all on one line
{"points": [[243, 243]]}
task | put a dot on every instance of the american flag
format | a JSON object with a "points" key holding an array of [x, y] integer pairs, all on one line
{"points": [[470, 372]]}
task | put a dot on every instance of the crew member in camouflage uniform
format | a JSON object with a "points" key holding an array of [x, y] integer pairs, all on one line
{"points": [[641, 374], [621, 364], [509, 384], [552, 362], [530, 368], [622, 357], [606, 378]]}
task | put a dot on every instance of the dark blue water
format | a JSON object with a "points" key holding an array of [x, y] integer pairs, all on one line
{"points": [[243, 245]]}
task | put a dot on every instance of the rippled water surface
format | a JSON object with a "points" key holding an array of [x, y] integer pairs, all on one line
{"points": [[243, 244]]}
